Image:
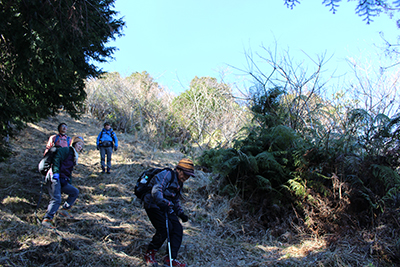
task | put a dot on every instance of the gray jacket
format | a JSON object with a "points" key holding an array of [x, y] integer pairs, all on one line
{"points": [[165, 193]]}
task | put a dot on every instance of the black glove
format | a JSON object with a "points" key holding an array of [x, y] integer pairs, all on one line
{"points": [[98, 147], [170, 208], [184, 217], [115, 148]]}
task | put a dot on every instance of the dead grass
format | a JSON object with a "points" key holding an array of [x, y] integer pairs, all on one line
{"points": [[112, 229]]}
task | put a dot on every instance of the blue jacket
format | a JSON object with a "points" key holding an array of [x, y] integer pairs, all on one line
{"points": [[165, 193], [105, 135]]}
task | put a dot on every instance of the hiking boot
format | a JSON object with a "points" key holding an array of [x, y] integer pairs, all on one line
{"points": [[65, 214], [150, 257], [48, 223], [103, 170], [175, 263], [108, 171]]}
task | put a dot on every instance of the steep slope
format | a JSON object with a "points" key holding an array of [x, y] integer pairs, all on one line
{"points": [[112, 229]]}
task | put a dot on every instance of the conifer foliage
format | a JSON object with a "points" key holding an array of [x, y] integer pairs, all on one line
{"points": [[366, 9], [45, 53]]}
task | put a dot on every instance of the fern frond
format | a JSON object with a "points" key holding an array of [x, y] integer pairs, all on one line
{"points": [[267, 162], [359, 115], [297, 187], [230, 190], [371, 203], [389, 177], [263, 182], [392, 194]]}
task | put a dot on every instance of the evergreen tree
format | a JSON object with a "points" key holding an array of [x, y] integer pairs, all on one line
{"points": [[366, 9], [47, 49]]}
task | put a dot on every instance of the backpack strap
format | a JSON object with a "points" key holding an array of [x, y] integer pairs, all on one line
{"points": [[56, 139], [112, 134]]}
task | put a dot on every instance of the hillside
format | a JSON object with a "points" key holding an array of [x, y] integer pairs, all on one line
{"points": [[112, 229]]}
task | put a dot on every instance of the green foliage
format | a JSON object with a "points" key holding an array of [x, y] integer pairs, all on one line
{"points": [[297, 186], [387, 185], [290, 160], [386, 175], [267, 107], [46, 48], [366, 9], [259, 165]]}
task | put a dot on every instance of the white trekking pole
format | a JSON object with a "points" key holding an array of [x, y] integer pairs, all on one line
{"points": [[169, 243]]}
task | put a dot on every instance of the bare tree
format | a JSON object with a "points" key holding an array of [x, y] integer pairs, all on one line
{"points": [[303, 88], [376, 90], [208, 109]]}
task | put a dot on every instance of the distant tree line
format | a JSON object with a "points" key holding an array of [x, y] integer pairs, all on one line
{"points": [[206, 114]]}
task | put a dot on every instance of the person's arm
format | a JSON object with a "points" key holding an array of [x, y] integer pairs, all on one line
{"points": [[98, 139], [49, 144], [159, 184], [59, 157], [115, 140], [179, 210], [177, 207]]}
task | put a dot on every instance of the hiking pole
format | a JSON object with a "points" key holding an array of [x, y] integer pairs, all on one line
{"points": [[169, 243]]}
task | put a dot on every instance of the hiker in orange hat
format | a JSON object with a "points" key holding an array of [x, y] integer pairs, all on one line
{"points": [[163, 207]]}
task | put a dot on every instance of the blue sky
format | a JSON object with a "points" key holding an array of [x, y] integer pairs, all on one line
{"points": [[174, 41]]}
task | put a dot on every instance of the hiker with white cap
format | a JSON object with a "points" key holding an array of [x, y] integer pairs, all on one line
{"points": [[58, 181], [163, 207]]}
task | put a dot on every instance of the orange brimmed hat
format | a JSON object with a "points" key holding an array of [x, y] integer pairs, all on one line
{"points": [[186, 165]]}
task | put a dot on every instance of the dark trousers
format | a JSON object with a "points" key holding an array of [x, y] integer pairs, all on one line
{"points": [[158, 219]]}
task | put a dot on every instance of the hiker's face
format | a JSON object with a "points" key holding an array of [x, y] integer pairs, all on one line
{"points": [[78, 146], [63, 129], [182, 177], [107, 127]]}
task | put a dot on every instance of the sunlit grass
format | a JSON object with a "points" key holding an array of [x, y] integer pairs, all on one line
{"points": [[111, 227]]}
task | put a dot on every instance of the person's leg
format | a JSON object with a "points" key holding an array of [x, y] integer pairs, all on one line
{"points": [[103, 158], [157, 219], [72, 193], [109, 153], [175, 234], [54, 188]]}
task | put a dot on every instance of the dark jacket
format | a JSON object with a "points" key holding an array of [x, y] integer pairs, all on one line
{"points": [[165, 193], [63, 164]]}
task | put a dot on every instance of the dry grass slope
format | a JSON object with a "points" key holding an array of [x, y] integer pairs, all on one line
{"points": [[111, 228]]}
